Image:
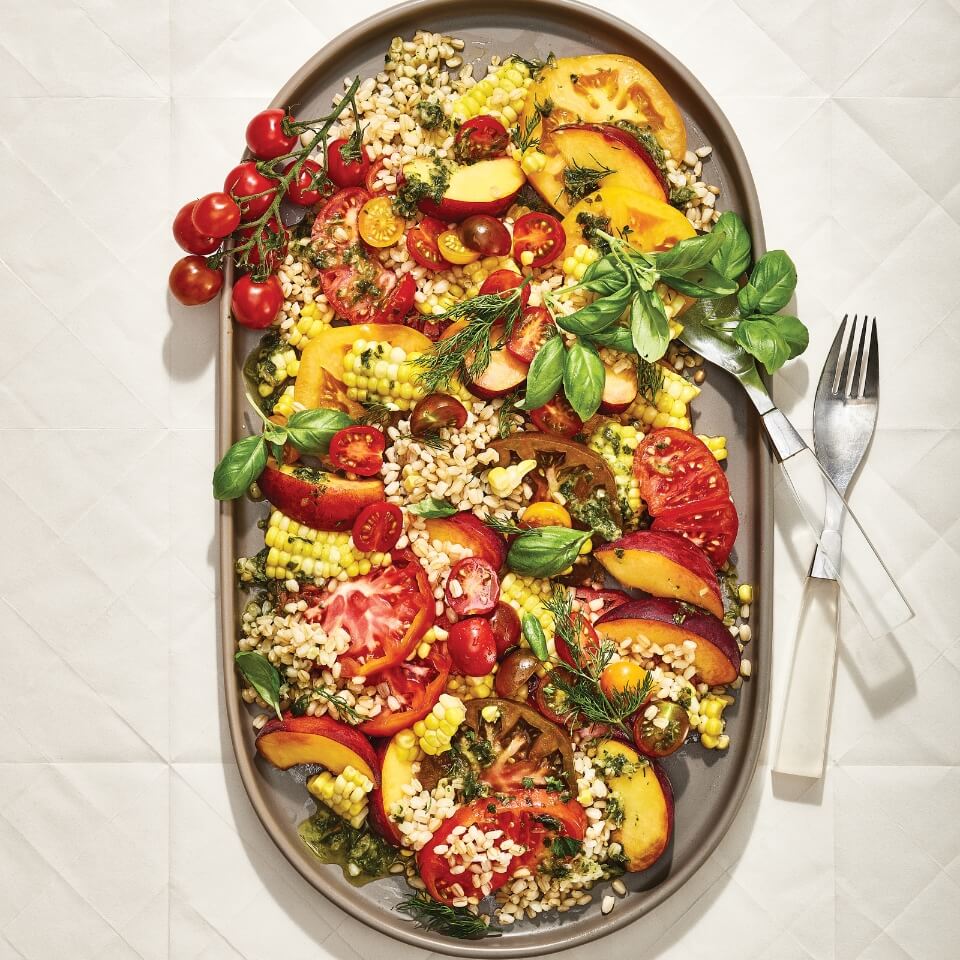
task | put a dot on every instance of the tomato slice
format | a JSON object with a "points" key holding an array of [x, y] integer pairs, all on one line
{"points": [[358, 449], [422, 243], [587, 639], [481, 138], [378, 224], [675, 469], [335, 230], [530, 333], [500, 281], [416, 685], [557, 416], [540, 236], [453, 249], [384, 614], [711, 524], [362, 292], [378, 528], [473, 587], [609, 600], [527, 817]]}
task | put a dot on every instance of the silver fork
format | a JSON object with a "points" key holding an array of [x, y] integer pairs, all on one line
{"points": [[844, 419]]}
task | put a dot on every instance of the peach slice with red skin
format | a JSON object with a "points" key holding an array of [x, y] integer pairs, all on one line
{"points": [[620, 389], [468, 531], [488, 186], [321, 740], [717, 660], [663, 565], [503, 374], [395, 773]]}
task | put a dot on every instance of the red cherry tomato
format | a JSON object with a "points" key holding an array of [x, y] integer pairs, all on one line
{"points": [[485, 234], [557, 416], [400, 301], [216, 215], [188, 236], [378, 528], [245, 180], [502, 280], [505, 624], [539, 234], [551, 701], [193, 282], [481, 138], [358, 449], [587, 642], [472, 646], [276, 254], [255, 303], [265, 136], [372, 180], [347, 173], [473, 587], [311, 185], [530, 333], [422, 243]]}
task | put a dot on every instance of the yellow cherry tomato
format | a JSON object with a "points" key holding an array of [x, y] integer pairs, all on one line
{"points": [[620, 676], [378, 224], [452, 248], [546, 513]]}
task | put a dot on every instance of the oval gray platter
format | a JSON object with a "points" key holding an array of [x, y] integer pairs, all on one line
{"points": [[708, 786]]}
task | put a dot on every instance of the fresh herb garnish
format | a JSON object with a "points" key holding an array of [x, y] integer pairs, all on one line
{"points": [[565, 847], [525, 140], [545, 551], [430, 115], [262, 675], [579, 181], [431, 508], [536, 67], [594, 228], [452, 921], [414, 189]]}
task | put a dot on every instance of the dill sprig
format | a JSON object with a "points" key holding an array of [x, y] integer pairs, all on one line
{"points": [[649, 378], [578, 181], [535, 66], [502, 525], [341, 705], [524, 140], [376, 414], [507, 413], [452, 921]]}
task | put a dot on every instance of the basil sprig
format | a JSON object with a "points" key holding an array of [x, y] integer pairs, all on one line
{"points": [[545, 551], [545, 374], [262, 675]]}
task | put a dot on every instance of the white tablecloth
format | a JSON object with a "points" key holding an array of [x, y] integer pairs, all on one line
{"points": [[124, 830]]}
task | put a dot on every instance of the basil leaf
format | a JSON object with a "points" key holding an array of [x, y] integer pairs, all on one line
{"points": [[262, 675], [689, 254], [602, 313], [760, 337], [700, 283], [535, 637], [604, 276], [545, 551], [649, 326], [545, 374], [794, 332], [733, 257], [240, 466], [617, 338], [771, 285], [274, 433], [431, 508], [583, 379], [311, 431]]}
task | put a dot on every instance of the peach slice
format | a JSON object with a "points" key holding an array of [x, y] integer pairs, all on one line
{"points": [[487, 186], [717, 659], [663, 565], [647, 800], [322, 740], [396, 771], [468, 531], [620, 389]]}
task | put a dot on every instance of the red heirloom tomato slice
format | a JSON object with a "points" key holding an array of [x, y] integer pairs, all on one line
{"points": [[422, 243], [473, 587], [481, 138], [359, 292], [378, 528], [245, 180], [358, 449], [711, 524], [335, 230], [557, 416], [530, 333], [674, 469], [416, 685], [540, 234], [527, 817], [265, 136], [347, 173], [384, 614]]}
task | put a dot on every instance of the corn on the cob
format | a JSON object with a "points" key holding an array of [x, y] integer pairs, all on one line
{"points": [[375, 371], [345, 794], [436, 729], [295, 549], [710, 722], [616, 443], [716, 445], [501, 94], [532, 160], [471, 688], [314, 318], [528, 595], [669, 408], [284, 404]]}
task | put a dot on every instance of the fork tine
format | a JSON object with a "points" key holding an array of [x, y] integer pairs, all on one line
{"points": [[863, 359], [833, 357], [870, 386], [858, 359], [843, 368]]}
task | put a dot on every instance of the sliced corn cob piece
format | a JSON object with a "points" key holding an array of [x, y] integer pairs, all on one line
{"points": [[710, 721], [345, 794], [616, 443], [284, 404], [376, 372], [436, 729], [528, 595], [408, 748], [669, 408], [575, 266], [295, 550], [314, 318], [716, 445], [471, 688], [497, 94]]}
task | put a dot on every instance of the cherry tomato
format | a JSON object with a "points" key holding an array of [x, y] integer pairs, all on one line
{"points": [[587, 642], [452, 249], [551, 701], [358, 449], [275, 235], [545, 513], [540, 235], [346, 173], [485, 234], [416, 685], [500, 281], [254, 303], [472, 646], [473, 588], [378, 224], [265, 136], [600, 602], [557, 416], [378, 528], [622, 675], [422, 243], [245, 180], [193, 282], [505, 624], [311, 185], [335, 230], [372, 181], [481, 138], [656, 741], [188, 236], [436, 411], [400, 301], [216, 215], [530, 333]]}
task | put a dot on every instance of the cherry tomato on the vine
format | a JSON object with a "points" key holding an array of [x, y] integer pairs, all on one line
{"points": [[540, 236], [481, 138], [188, 236], [274, 235], [193, 282], [422, 243], [245, 180], [256, 303], [378, 528], [265, 136], [358, 449], [311, 185], [216, 215], [347, 173], [472, 645]]}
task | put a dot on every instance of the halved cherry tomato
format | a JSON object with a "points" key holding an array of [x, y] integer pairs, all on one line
{"points": [[422, 243], [436, 411], [265, 136], [358, 449], [416, 685], [273, 234], [587, 642], [528, 817], [372, 181], [311, 185], [545, 513], [452, 249], [481, 138], [379, 225], [557, 416], [486, 234], [378, 528], [539, 234], [622, 675], [216, 215], [711, 524], [245, 180], [551, 701], [188, 236], [384, 614], [472, 647], [335, 230], [535, 326], [254, 303], [505, 624], [399, 302], [473, 587], [657, 741], [346, 173], [500, 281], [674, 469]]}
